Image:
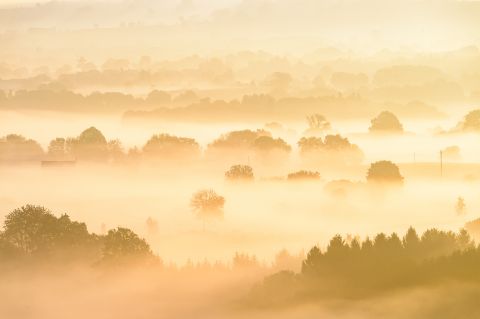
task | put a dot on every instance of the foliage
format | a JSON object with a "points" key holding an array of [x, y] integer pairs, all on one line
{"points": [[90, 145], [166, 146], [303, 175], [33, 233], [350, 268], [460, 206], [123, 245], [268, 144], [15, 147], [471, 122], [384, 172], [386, 122], [238, 139], [35, 230], [207, 204], [317, 123], [239, 172], [332, 148]]}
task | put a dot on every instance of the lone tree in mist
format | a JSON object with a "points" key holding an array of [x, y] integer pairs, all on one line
{"points": [[207, 204], [460, 206], [384, 172], [317, 124], [239, 173], [386, 122]]}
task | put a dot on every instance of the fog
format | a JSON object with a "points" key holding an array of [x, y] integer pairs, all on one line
{"points": [[239, 159]]}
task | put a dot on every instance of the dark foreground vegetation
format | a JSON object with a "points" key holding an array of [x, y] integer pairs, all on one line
{"points": [[350, 269], [33, 234]]}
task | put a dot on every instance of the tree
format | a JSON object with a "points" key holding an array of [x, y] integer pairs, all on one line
{"points": [[317, 124], [471, 122], [207, 204], [168, 146], [460, 206], [334, 148], [384, 172], [303, 176], [239, 173], [123, 245], [268, 144], [34, 230], [90, 145], [238, 139], [57, 148], [15, 147], [386, 122]]}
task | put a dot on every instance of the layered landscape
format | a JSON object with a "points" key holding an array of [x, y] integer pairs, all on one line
{"points": [[239, 159]]}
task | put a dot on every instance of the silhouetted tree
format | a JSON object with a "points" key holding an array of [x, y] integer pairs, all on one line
{"points": [[471, 122], [207, 204], [238, 139], [384, 172], [15, 147], [317, 124], [353, 269], [386, 122], [35, 230], [123, 245], [90, 145], [269, 144], [167, 146], [239, 173], [460, 206], [333, 149], [57, 149]]}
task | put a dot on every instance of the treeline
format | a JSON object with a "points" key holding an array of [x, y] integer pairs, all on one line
{"points": [[91, 145], [32, 234], [349, 268], [191, 106]]}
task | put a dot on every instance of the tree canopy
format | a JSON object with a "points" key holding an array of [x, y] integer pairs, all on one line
{"points": [[386, 122], [384, 172], [239, 173]]}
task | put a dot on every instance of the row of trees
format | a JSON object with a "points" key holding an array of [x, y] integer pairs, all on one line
{"points": [[350, 268], [33, 233], [91, 145]]}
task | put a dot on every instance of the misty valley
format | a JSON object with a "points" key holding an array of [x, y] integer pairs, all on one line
{"points": [[239, 159]]}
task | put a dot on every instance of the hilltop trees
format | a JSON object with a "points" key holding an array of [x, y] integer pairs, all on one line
{"points": [[386, 122], [384, 172], [239, 173]]}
